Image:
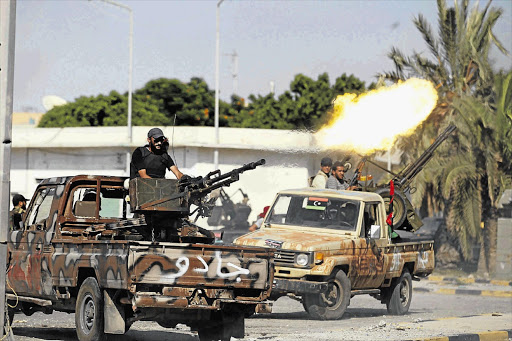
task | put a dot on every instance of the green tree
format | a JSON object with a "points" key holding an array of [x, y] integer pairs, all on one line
{"points": [[192, 103], [103, 110], [476, 177], [305, 106], [459, 68]]}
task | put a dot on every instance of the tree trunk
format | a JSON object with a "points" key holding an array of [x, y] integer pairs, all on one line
{"points": [[482, 259], [489, 241], [492, 235]]}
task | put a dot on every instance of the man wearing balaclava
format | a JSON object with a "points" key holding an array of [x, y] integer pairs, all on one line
{"points": [[152, 160]]}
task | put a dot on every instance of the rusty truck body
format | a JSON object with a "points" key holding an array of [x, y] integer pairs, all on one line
{"points": [[332, 245], [79, 252]]}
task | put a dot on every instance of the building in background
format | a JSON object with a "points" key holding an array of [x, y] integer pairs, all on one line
{"points": [[28, 119]]}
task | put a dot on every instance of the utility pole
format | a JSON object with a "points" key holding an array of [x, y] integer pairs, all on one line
{"points": [[7, 34], [217, 67], [234, 70], [130, 64], [130, 79]]}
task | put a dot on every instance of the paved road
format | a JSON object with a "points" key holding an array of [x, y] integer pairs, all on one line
{"points": [[431, 315]]}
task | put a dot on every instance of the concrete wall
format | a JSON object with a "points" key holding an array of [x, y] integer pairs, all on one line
{"points": [[504, 249], [291, 157]]}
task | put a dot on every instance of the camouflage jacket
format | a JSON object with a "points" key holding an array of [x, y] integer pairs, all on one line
{"points": [[15, 218]]}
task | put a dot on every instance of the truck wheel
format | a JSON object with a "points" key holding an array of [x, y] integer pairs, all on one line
{"points": [[89, 312], [213, 332], [330, 305], [166, 324], [400, 295]]}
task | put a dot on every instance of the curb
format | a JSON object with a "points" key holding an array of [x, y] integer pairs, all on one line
{"points": [[500, 335], [468, 280], [474, 292]]}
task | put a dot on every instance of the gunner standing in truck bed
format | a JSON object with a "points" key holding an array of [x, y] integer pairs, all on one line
{"points": [[152, 160]]}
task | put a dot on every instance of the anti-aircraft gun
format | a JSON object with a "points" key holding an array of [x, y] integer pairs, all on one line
{"points": [[166, 204], [404, 215]]}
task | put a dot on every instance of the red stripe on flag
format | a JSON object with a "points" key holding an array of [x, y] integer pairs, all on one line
{"points": [[318, 199], [389, 220]]}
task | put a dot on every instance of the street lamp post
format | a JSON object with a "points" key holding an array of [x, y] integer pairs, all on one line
{"points": [[217, 67], [130, 66], [7, 37]]}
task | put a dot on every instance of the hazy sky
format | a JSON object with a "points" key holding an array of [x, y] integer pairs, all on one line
{"points": [[71, 48]]}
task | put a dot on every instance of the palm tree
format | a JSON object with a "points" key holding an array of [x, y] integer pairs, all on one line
{"points": [[475, 179], [458, 66]]}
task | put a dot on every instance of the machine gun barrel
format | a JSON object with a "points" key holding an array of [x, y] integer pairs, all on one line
{"points": [[404, 178], [190, 189], [232, 174], [210, 183]]}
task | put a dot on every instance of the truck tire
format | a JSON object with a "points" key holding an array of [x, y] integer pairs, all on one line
{"points": [[166, 324], [400, 294], [213, 332], [332, 304], [89, 311]]}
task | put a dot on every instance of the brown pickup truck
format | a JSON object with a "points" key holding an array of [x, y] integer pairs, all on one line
{"points": [[332, 245], [78, 252]]}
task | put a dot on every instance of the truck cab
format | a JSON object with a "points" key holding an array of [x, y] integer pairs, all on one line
{"points": [[332, 245]]}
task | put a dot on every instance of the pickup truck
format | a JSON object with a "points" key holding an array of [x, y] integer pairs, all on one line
{"points": [[79, 252], [332, 245]]}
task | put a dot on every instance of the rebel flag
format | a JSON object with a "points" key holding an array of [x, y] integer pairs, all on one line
{"points": [[316, 203], [389, 219]]}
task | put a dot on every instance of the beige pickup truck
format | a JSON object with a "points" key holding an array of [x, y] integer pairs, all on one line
{"points": [[333, 245]]}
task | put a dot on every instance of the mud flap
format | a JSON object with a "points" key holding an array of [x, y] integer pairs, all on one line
{"points": [[113, 314]]}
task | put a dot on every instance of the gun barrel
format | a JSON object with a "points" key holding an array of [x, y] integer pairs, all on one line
{"points": [[408, 173], [249, 166]]}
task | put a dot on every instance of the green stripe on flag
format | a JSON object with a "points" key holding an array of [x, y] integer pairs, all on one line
{"points": [[318, 208]]}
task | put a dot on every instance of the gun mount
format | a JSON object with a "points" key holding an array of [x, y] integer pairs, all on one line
{"points": [[166, 203], [404, 215]]}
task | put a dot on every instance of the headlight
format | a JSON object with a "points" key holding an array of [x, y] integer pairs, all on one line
{"points": [[302, 259]]}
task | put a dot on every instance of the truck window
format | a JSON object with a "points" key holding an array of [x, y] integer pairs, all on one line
{"points": [[371, 217], [112, 203], [84, 201], [309, 211], [40, 210]]}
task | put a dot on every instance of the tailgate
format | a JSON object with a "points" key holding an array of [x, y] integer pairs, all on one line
{"points": [[200, 265]]}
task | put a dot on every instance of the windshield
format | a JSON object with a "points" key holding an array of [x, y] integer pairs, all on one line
{"points": [[315, 211]]}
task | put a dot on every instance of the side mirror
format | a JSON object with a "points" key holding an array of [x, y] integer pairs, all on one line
{"points": [[375, 231]]}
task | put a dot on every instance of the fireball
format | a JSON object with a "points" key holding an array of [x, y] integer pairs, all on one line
{"points": [[374, 120]]}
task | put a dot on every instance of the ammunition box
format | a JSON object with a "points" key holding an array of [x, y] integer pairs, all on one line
{"points": [[151, 194]]}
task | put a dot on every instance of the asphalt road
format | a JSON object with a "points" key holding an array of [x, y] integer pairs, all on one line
{"points": [[431, 315]]}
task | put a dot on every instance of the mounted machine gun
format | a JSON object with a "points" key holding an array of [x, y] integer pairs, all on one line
{"points": [[404, 215], [166, 203]]}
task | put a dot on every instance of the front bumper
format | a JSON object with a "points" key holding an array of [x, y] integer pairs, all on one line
{"points": [[298, 287]]}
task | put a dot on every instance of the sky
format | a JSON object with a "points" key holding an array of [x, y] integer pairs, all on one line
{"points": [[72, 48]]}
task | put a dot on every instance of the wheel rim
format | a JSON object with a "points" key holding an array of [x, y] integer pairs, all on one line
{"points": [[87, 309], [404, 293], [331, 298]]}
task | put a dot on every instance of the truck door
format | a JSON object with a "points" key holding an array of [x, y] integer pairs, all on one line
{"points": [[371, 265], [30, 248]]}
